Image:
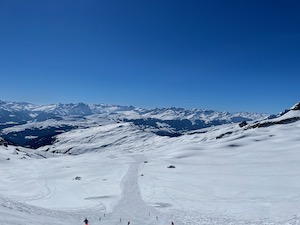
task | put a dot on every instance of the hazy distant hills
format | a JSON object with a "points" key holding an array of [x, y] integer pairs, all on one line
{"points": [[33, 125]]}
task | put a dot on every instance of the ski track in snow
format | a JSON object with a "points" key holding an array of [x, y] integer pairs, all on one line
{"points": [[131, 207]]}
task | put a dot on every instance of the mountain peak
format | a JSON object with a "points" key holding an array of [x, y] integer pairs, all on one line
{"points": [[296, 106]]}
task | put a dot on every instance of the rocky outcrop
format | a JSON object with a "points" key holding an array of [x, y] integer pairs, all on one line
{"points": [[3, 142], [271, 123], [242, 124], [296, 106]]}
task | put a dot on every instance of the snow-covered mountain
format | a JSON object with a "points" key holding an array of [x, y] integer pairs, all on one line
{"points": [[33, 125], [232, 173], [31, 111], [287, 116], [126, 136]]}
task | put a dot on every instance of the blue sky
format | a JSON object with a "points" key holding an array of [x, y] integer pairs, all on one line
{"points": [[223, 55]]}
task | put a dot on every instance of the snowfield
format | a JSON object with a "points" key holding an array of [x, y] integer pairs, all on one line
{"points": [[117, 173]]}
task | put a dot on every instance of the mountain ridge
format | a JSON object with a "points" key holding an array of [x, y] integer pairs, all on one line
{"points": [[34, 126], [83, 109]]}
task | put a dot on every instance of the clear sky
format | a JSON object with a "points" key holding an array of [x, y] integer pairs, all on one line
{"points": [[216, 54]]}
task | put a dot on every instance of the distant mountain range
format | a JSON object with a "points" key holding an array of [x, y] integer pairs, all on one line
{"points": [[21, 112], [33, 125]]}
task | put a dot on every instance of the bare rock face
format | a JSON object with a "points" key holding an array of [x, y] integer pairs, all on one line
{"points": [[296, 107], [3, 142], [242, 124]]}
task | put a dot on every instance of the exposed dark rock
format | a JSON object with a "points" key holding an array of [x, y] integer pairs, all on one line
{"points": [[272, 117], [242, 124], [3, 142], [223, 135], [271, 123], [283, 112], [296, 107], [196, 132]]}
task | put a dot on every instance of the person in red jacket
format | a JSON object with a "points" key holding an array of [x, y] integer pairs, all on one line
{"points": [[86, 221]]}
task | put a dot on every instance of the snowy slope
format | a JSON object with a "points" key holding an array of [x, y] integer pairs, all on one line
{"points": [[33, 126], [112, 137], [246, 176], [223, 175]]}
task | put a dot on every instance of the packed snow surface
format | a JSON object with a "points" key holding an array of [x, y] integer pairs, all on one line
{"points": [[116, 173]]}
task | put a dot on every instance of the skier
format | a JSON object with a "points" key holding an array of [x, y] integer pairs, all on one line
{"points": [[172, 223], [86, 221], [128, 223]]}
